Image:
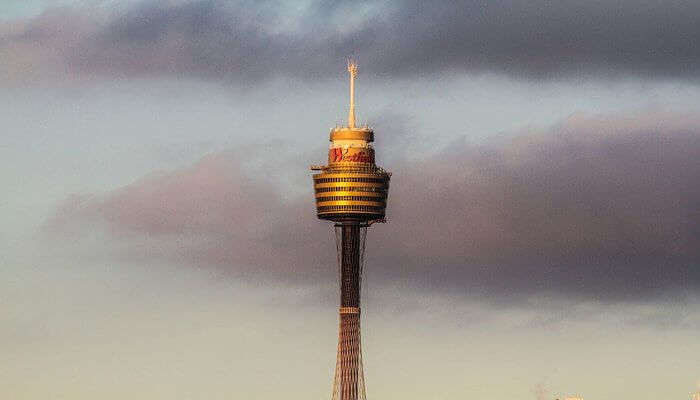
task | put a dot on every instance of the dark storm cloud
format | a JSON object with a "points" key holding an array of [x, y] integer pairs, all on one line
{"points": [[596, 208], [247, 41]]}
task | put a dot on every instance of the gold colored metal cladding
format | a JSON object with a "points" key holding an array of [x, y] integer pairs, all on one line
{"points": [[345, 133], [351, 195]]}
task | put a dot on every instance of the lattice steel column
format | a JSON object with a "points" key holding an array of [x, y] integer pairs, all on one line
{"points": [[349, 379]]}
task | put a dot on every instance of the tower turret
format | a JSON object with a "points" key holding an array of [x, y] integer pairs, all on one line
{"points": [[351, 186], [352, 192]]}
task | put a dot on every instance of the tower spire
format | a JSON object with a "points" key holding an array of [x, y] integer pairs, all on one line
{"points": [[352, 70]]}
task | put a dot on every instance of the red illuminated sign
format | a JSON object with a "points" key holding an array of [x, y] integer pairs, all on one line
{"points": [[361, 155]]}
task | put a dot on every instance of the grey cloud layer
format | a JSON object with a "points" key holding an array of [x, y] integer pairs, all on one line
{"points": [[245, 42], [595, 207]]}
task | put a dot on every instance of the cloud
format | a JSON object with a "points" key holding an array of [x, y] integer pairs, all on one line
{"points": [[602, 208], [245, 42], [210, 214], [595, 207]]}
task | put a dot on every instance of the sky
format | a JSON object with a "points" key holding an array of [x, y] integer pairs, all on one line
{"points": [[158, 238]]}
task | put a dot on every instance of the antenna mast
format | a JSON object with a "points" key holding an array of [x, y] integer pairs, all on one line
{"points": [[352, 69]]}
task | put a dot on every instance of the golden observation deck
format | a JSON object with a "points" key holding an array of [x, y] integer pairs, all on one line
{"points": [[351, 187]]}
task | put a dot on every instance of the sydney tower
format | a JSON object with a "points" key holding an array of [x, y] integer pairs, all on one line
{"points": [[352, 192]]}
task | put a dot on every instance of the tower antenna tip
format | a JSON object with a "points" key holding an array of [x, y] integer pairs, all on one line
{"points": [[352, 66]]}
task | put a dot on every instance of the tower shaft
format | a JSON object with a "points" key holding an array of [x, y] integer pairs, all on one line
{"points": [[349, 379], [350, 265]]}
